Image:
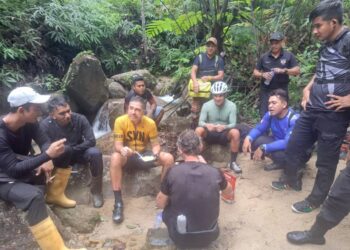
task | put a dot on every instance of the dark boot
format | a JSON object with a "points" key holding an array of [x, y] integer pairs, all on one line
{"points": [[305, 237], [118, 213], [96, 191]]}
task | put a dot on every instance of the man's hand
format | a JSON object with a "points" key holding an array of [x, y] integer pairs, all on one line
{"points": [[306, 97], [56, 148], [258, 155], [267, 75], [206, 78], [195, 87], [338, 102], [210, 127], [45, 168], [279, 71], [247, 146], [220, 127], [126, 151]]}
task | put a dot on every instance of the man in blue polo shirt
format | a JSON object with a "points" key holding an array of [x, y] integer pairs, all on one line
{"points": [[274, 68]]}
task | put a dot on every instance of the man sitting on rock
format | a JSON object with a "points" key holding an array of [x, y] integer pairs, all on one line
{"points": [[280, 120], [133, 132], [23, 177], [190, 196], [217, 121], [139, 89], [79, 148]]}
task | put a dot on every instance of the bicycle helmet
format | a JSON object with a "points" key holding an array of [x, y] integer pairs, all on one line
{"points": [[218, 88]]}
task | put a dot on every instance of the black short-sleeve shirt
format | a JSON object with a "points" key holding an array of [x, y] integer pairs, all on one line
{"points": [[286, 60], [208, 66], [147, 96], [193, 190]]}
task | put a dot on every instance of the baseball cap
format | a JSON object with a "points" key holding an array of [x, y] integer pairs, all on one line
{"points": [[278, 36], [212, 40], [22, 95]]}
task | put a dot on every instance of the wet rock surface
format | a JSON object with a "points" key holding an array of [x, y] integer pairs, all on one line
{"points": [[116, 90], [125, 79]]}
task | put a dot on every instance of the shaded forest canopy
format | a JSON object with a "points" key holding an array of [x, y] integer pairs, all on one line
{"points": [[39, 38]]}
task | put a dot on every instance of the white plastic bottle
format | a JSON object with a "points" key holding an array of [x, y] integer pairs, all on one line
{"points": [[181, 224], [267, 82]]}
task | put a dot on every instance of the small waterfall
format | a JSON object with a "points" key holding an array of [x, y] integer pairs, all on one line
{"points": [[100, 125]]}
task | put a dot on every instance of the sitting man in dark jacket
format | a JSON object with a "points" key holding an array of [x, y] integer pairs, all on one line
{"points": [[190, 196], [23, 177], [79, 148]]}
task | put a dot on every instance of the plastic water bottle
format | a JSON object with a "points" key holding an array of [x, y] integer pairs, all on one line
{"points": [[181, 224], [159, 219], [267, 82]]}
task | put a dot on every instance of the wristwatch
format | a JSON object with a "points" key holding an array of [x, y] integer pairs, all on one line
{"points": [[262, 147], [286, 71]]}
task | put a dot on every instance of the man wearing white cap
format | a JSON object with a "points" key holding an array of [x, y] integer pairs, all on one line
{"points": [[23, 177]]}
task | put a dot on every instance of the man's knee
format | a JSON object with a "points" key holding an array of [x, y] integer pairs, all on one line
{"points": [[117, 160], [166, 159], [233, 134], [200, 131], [94, 152]]}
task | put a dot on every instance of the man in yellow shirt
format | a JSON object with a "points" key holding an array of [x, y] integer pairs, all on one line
{"points": [[132, 132]]}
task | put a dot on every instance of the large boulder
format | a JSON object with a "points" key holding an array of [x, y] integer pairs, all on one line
{"points": [[86, 83], [125, 79], [115, 109], [116, 90], [164, 86]]}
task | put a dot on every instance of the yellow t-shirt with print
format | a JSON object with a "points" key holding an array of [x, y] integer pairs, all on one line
{"points": [[137, 137]]}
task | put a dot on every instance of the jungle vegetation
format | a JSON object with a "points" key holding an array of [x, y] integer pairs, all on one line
{"points": [[39, 38]]}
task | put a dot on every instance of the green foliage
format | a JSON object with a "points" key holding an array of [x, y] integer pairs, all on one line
{"points": [[50, 83], [10, 77], [248, 111]]}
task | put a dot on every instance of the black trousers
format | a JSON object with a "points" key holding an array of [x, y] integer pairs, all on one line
{"points": [[28, 195], [278, 157], [91, 156], [328, 130], [337, 204]]}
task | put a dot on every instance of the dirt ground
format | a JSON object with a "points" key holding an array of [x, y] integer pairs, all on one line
{"points": [[259, 218]]}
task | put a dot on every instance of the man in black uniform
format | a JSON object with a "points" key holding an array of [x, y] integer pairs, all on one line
{"points": [[190, 192], [325, 124], [337, 204], [23, 177], [274, 68], [79, 148]]}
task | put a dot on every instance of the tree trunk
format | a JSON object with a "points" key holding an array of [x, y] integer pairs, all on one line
{"points": [[144, 36]]}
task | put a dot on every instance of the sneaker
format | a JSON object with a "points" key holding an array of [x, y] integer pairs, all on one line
{"points": [[272, 166], [303, 207], [229, 199], [282, 185], [235, 167]]}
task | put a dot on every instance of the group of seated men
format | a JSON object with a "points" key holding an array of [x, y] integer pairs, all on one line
{"points": [[66, 138]]}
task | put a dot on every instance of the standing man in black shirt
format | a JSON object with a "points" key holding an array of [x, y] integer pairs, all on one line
{"points": [[191, 190], [79, 148], [319, 122], [274, 68], [23, 177]]}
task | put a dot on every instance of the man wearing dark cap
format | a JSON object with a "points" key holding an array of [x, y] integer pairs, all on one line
{"points": [[139, 89], [274, 68], [207, 67]]}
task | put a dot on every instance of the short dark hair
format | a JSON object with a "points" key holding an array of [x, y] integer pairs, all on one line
{"points": [[139, 99], [136, 78], [281, 94], [56, 101], [189, 142], [328, 10], [26, 106]]}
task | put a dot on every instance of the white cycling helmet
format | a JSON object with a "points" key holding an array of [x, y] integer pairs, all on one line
{"points": [[219, 88]]}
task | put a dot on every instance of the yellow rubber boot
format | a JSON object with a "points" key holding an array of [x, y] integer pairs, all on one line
{"points": [[47, 236], [55, 191]]}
